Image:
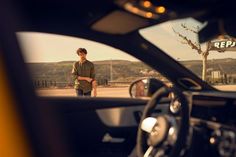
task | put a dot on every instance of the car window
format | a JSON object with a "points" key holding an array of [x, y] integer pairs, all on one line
{"points": [[51, 59], [213, 61]]}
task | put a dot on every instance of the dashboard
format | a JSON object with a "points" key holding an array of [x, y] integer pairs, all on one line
{"points": [[213, 122]]}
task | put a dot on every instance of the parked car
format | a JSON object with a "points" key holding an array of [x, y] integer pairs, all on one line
{"points": [[177, 113]]}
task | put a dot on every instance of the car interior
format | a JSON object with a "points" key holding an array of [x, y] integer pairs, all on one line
{"points": [[188, 118]]}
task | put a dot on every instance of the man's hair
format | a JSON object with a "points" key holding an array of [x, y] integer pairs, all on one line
{"points": [[81, 50]]}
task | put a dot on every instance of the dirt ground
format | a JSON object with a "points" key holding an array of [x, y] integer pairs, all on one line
{"points": [[108, 91]]}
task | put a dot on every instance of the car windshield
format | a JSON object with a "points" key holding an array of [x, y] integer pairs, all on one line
{"points": [[51, 59], [213, 62]]}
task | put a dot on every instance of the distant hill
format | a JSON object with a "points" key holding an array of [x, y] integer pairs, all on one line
{"points": [[122, 70], [227, 66], [114, 62]]}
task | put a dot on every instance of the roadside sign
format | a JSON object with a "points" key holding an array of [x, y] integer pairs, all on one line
{"points": [[223, 45]]}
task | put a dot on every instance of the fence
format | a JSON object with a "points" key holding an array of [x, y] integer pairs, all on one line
{"points": [[44, 83]]}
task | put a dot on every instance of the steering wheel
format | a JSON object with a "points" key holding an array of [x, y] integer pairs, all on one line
{"points": [[166, 134]]}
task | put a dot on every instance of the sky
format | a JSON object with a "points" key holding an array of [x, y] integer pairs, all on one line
{"points": [[42, 47], [164, 37]]}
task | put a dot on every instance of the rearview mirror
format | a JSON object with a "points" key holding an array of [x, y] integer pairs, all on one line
{"points": [[144, 87]]}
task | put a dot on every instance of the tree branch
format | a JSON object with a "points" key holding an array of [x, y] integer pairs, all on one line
{"points": [[188, 29], [194, 46]]}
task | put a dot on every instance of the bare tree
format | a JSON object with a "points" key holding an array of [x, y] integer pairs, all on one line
{"points": [[196, 46]]}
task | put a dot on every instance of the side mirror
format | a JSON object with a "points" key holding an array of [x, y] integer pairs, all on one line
{"points": [[144, 87]]}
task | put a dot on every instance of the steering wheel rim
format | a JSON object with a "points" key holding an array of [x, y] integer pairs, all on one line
{"points": [[183, 126]]}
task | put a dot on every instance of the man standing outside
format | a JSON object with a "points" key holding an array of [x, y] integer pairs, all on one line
{"points": [[83, 74]]}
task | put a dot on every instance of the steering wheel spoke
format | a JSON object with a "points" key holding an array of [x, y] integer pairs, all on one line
{"points": [[149, 151], [153, 151]]}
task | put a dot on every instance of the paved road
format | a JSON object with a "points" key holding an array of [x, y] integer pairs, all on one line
{"points": [[101, 92], [226, 87]]}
